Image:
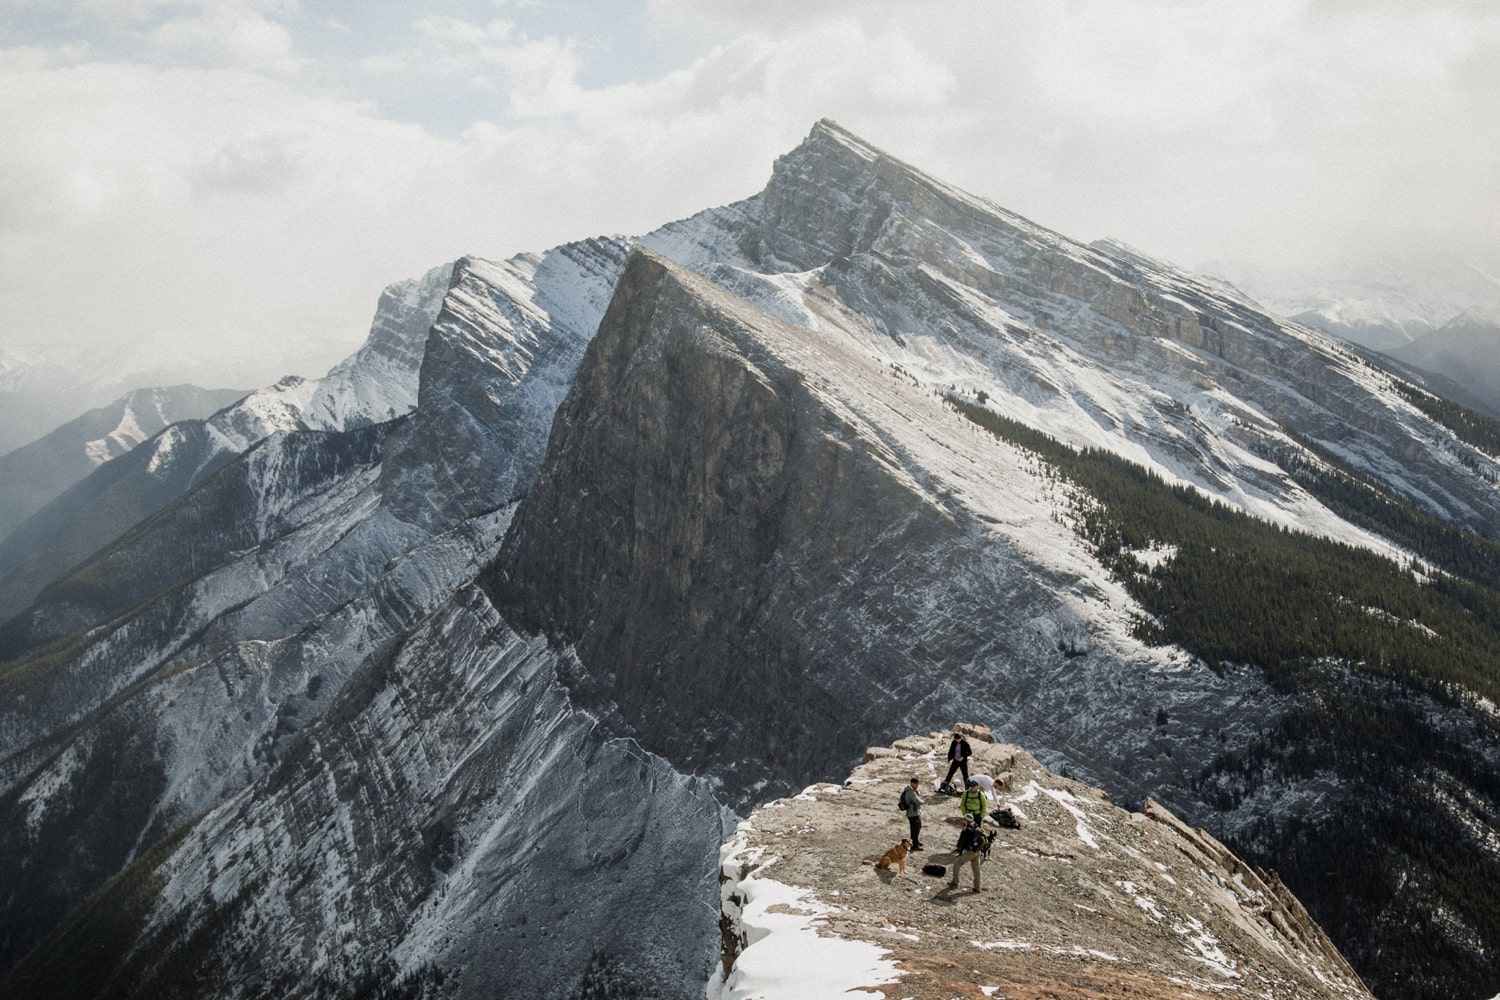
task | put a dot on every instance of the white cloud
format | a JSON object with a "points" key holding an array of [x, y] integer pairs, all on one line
{"points": [[536, 76], [230, 33], [150, 198]]}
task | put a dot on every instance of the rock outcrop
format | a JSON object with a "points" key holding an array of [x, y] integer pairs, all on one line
{"points": [[1082, 899]]}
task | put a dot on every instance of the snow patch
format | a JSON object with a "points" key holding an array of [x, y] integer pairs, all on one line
{"points": [[1068, 801], [786, 958]]}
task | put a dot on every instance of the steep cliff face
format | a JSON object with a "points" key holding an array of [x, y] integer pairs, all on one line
{"points": [[499, 358], [451, 826], [1080, 898], [780, 541]]}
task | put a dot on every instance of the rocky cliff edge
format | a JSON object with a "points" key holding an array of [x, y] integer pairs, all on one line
{"points": [[1082, 900]]}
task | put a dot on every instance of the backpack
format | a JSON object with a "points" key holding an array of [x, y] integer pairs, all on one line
{"points": [[901, 802], [1006, 817]]}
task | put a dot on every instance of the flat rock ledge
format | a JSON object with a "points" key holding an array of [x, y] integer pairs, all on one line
{"points": [[1083, 899]]}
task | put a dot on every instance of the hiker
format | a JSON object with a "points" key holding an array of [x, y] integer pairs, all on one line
{"points": [[988, 785], [968, 850], [974, 804], [999, 815], [959, 753], [911, 801]]}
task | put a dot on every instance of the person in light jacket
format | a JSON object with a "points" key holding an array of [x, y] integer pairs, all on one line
{"points": [[911, 801]]}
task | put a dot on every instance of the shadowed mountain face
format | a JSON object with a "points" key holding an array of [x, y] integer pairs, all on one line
{"points": [[393, 707], [1466, 349]]}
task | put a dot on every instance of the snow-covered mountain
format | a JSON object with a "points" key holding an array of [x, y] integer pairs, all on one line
{"points": [[1465, 349], [1385, 305], [376, 384], [676, 525], [34, 474]]}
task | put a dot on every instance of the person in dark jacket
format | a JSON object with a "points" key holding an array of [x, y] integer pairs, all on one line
{"points": [[911, 801], [969, 849], [959, 753]]}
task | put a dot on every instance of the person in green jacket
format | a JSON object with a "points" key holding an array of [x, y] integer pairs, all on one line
{"points": [[973, 804]]}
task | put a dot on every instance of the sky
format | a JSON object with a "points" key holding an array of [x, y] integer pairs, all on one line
{"points": [[232, 182]]}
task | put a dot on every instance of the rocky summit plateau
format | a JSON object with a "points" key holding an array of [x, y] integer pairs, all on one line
{"points": [[446, 675], [1080, 899]]}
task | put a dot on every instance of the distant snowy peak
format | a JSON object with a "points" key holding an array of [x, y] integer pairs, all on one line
{"points": [[1484, 315], [1382, 305], [141, 413], [379, 381], [375, 384], [34, 474]]}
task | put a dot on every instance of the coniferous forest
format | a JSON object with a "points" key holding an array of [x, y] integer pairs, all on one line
{"points": [[1357, 644]]}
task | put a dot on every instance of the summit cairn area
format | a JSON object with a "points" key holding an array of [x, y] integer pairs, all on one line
{"points": [[1081, 899]]}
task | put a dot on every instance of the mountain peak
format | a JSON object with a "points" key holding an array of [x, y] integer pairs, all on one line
{"points": [[826, 131]]}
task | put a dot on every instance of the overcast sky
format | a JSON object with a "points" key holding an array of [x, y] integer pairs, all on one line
{"points": [[228, 178]]}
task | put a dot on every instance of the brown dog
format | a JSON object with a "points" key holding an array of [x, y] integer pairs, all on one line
{"points": [[895, 856]]}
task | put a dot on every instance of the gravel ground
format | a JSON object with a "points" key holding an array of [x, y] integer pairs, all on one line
{"points": [[1084, 899]]}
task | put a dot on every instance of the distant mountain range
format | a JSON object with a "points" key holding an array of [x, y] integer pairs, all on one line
{"points": [[43, 386], [1442, 316], [36, 473], [446, 675], [1466, 349]]}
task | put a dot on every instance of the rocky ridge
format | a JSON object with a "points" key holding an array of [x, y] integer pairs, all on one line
{"points": [[1084, 899]]}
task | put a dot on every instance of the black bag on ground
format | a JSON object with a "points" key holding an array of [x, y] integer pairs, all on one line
{"points": [[934, 869]]}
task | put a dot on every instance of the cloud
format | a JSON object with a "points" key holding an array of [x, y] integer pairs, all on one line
{"points": [[536, 76], [230, 33], [175, 195]]}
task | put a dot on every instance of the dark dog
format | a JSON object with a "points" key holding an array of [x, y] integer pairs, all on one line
{"points": [[986, 841]]}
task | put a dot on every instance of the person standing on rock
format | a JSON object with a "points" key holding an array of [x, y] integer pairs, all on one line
{"points": [[959, 753], [967, 850], [911, 801]]}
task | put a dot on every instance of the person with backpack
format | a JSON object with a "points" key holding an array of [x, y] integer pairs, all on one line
{"points": [[911, 804], [959, 753], [973, 805], [969, 849]]}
